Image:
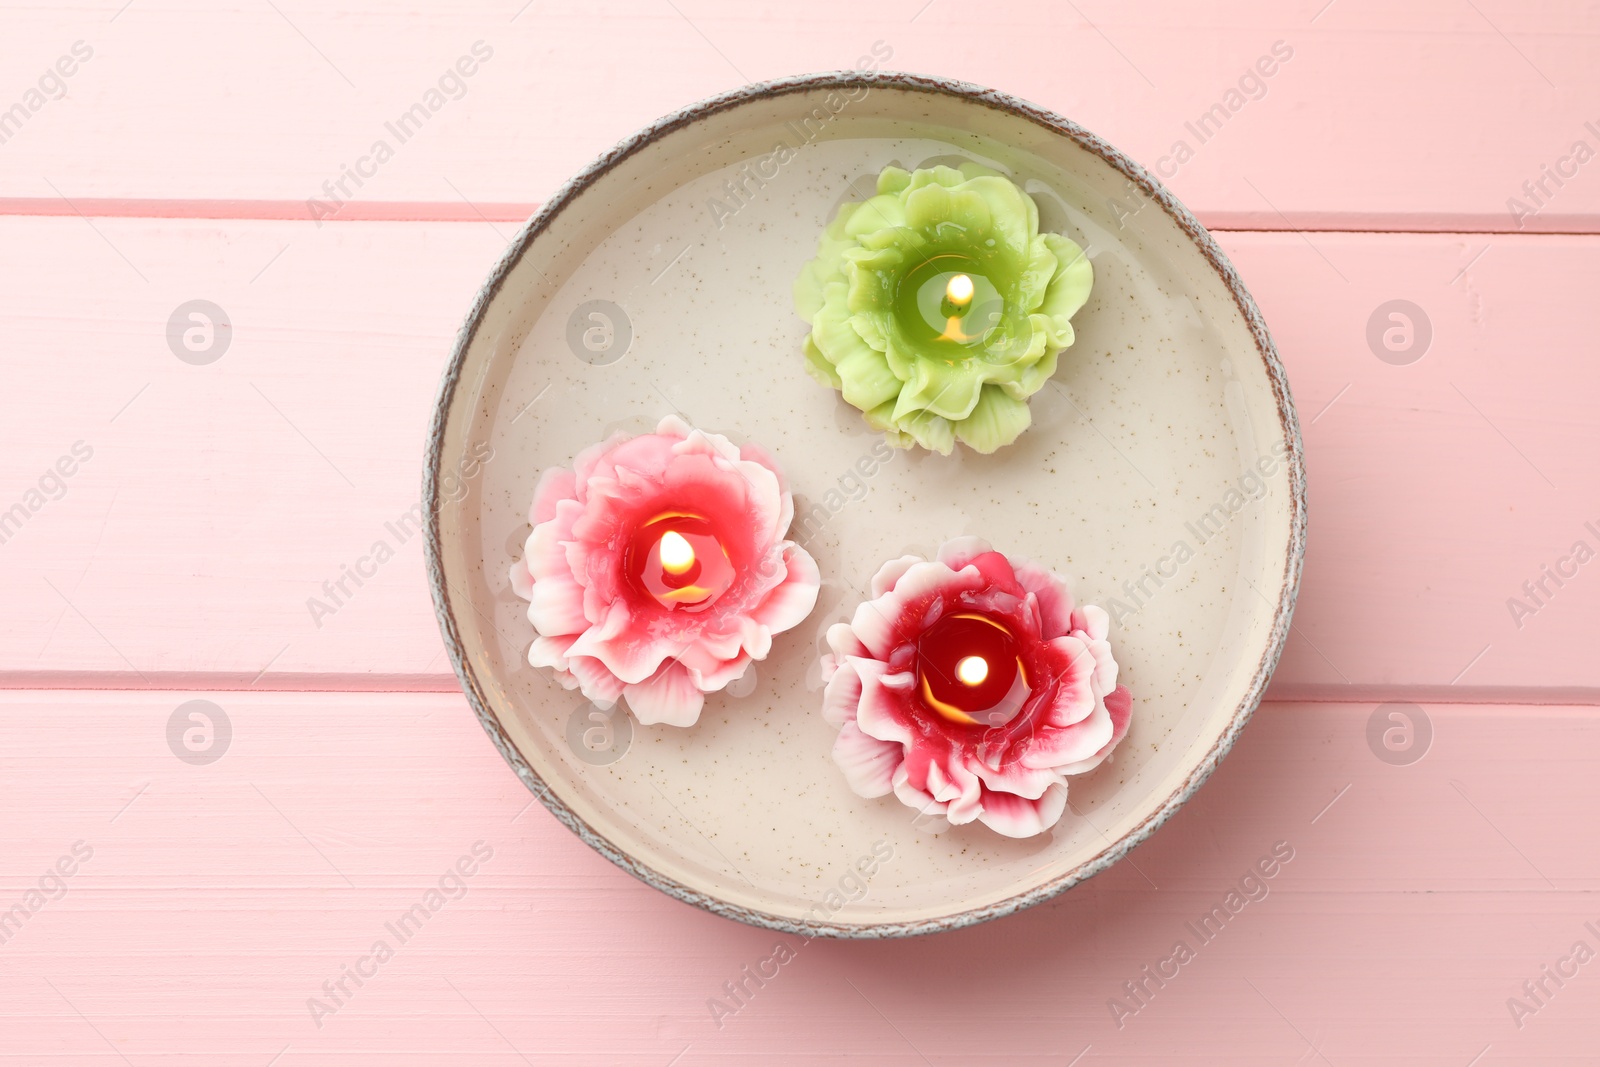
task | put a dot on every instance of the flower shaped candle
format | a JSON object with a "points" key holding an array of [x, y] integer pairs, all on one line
{"points": [[971, 687], [938, 308], [657, 569]]}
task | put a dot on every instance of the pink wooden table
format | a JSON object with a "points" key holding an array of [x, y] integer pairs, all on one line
{"points": [[162, 525]]}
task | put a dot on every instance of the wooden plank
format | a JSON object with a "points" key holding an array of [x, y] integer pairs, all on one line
{"points": [[1439, 487], [1428, 116], [1418, 900], [219, 498]]}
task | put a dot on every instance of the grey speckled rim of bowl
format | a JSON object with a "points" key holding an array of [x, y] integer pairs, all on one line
{"points": [[987, 98]]}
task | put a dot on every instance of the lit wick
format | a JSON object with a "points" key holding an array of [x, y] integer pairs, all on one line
{"points": [[959, 291], [957, 297], [677, 559], [677, 555], [970, 670]]}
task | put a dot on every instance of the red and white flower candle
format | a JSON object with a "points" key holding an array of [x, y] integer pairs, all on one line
{"points": [[972, 688], [657, 569]]}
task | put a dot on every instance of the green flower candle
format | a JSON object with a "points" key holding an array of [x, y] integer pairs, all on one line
{"points": [[938, 308]]}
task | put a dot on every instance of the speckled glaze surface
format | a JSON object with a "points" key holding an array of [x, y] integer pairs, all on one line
{"points": [[1163, 474]]}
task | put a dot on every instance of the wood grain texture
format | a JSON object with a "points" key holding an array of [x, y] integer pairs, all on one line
{"points": [[220, 897], [1429, 115], [219, 498]]}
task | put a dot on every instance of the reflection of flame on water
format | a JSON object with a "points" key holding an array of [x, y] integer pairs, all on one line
{"points": [[985, 320]]}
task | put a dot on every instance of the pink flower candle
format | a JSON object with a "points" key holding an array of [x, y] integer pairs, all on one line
{"points": [[657, 569], [972, 688]]}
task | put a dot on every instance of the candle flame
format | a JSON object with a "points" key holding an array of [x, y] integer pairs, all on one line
{"points": [[972, 670], [959, 290], [677, 554]]}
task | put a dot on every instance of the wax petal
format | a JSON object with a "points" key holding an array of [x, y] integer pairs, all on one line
{"points": [[1037, 274], [552, 652], [878, 213], [1051, 749], [931, 431], [865, 377], [917, 799], [820, 368], [865, 374], [950, 390], [1032, 377], [996, 571], [961, 791], [842, 695], [1054, 599], [1091, 624], [668, 696], [1071, 664], [928, 205], [545, 553], [792, 600], [871, 270], [555, 485], [970, 211], [1012, 216], [891, 572], [996, 421], [521, 580], [874, 326], [882, 710], [597, 682], [696, 442], [868, 764], [1020, 778], [959, 551], [724, 674], [811, 285], [844, 642], [1014, 816], [1119, 706], [703, 652], [556, 606], [879, 623], [1074, 278]]}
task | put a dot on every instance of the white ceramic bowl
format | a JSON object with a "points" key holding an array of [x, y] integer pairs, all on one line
{"points": [[1168, 424]]}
